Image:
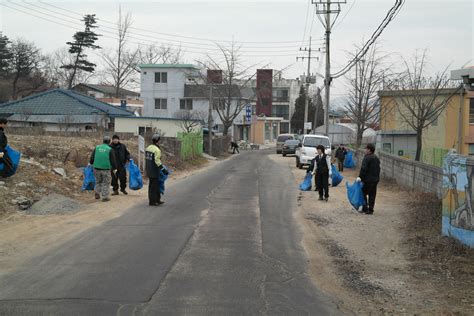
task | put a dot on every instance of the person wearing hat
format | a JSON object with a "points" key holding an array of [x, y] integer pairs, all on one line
{"points": [[153, 168], [103, 161], [122, 156], [369, 175], [322, 172]]}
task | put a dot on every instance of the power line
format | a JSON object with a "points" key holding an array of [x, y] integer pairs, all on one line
{"points": [[150, 38], [142, 42], [306, 22], [391, 14], [180, 36]]}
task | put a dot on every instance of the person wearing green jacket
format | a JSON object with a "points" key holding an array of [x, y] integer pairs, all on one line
{"points": [[103, 161]]}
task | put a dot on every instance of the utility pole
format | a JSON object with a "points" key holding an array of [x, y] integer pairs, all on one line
{"points": [[325, 8], [209, 118], [308, 80]]}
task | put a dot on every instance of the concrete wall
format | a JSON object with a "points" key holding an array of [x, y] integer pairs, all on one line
{"points": [[130, 125], [412, 174]]}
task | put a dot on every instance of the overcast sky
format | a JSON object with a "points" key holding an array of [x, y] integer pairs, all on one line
{"points": [[263, 28]]}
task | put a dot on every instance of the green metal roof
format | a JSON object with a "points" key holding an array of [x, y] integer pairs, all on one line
{"points": [[61, 102], [168, 66]]}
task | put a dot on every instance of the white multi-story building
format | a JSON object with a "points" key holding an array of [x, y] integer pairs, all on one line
{"points": [[167, 90]]}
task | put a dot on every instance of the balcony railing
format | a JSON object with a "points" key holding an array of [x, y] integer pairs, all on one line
{"points": [[281, 99]]}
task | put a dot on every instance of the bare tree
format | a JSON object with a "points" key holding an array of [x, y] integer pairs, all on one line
{"points": [[66, 122], [189, 120], [363, 106], [420, 99], [154, 54], [60, 76], [230, 96], [24, 68], [120, 64]]}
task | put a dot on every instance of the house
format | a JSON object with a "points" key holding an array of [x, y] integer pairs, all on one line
{"points": [[62, 110], [107, 93], [454, 128]]}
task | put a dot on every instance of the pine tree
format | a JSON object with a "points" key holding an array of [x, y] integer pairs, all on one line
{"points": [[82, 40]]}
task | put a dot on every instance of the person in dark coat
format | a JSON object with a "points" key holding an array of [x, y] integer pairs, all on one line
{"points": [[370, 176], [122, 156], [322, 172], [153, 168], [234, 147], [4, 159], [341, 153]]}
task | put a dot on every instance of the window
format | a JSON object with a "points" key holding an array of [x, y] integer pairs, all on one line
{"points": [[471, 111], [471, 149], [161, 77], [265, 103], [186, 104], [161, 104], [315, 141]]}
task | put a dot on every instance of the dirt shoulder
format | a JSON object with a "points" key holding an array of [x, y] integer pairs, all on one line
{"points": [[390, 263], [25, 236]]}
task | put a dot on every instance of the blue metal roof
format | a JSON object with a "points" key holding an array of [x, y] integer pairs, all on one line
{"points": [[61, 102]]}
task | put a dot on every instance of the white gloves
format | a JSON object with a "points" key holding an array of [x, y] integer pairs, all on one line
{"points": [[1, 155], [358, 179], [330, 173], [313, 173]]}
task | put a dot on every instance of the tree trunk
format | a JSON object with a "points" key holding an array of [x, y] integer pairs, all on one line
{"points": [[419, 144], [225, 132], [14, 87], [359, 139]]}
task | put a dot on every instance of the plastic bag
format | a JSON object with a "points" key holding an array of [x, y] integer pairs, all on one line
{"points": [[163, 177], [336, 176], [12, 158], [89, 179], [349, 162], [355, 195], [306, 184], [136, 180]]}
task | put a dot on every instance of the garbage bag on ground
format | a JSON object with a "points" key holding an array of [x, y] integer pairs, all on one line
{"points": [[89, 179], [306, 184], [336, 176], [136, 180], [164, 173], [9, 163], [349, 162], [355, 195]]}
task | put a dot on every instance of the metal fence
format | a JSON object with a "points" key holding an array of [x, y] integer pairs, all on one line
{"points": [[191, 145], [434, 156]]}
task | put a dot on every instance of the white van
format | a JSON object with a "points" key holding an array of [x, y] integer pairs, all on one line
{"points": [[307, 150]]}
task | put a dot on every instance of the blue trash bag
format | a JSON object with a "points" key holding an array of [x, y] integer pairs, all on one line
{"points": [[336, 177], [306, 185], [163, 178], [12, 159], [89, 179], [349, 162], [136, 180], [355, 195]]}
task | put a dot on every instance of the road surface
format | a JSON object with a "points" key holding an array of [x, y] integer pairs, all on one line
{"points": [[224, 243]]}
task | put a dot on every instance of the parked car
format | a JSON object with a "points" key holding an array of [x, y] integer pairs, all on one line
{"points": [[307, 149], [282, 138], [289, 147]]}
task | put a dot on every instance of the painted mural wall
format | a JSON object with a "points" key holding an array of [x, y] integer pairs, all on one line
{"points": [[458, 189]]}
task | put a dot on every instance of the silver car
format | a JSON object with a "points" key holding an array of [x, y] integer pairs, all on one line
{"points": [[282, 138]]}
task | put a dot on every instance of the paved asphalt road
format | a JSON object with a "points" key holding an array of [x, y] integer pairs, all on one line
{"points": [[224, 243]]}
